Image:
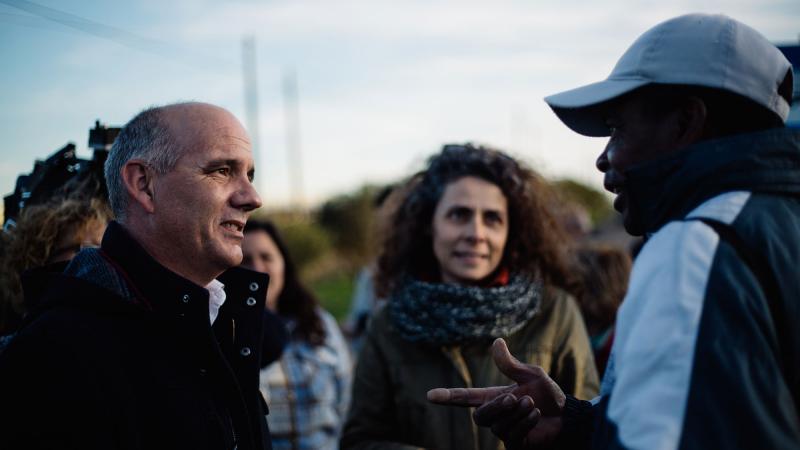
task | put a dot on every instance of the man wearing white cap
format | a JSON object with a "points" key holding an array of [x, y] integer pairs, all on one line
{"points": [[707, 351]]}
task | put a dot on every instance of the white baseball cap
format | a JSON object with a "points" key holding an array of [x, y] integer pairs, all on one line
{"points": [[713, 51]]}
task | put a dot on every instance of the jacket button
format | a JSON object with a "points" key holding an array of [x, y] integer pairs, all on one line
{"points": [[254, 286], [245, 351], [251, 301], [185, 298]]}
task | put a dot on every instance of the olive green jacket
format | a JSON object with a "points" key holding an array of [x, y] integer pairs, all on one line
{"points": [[389, 408]]}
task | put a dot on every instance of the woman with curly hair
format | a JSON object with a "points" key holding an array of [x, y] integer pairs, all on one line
{"points": [[44, 235], [473, 254], [308, 388]]}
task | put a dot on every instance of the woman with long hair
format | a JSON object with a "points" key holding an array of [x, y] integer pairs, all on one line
{"points": [[307, 389], [473, 253]]}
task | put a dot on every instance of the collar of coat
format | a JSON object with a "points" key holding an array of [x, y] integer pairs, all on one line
{"points": [[123, 268], [668, 188]]}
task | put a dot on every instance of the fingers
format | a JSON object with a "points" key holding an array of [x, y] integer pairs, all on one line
{"points": [[510, 419], [519, 432], [509, 365], [466, 396], [497, 410]]}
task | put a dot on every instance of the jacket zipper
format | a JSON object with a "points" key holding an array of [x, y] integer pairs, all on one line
{"points": [[454, 353]]}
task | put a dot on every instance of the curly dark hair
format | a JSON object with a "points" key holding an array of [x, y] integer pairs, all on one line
{"points": [[536, 243], [295, 300], [32, 243]]}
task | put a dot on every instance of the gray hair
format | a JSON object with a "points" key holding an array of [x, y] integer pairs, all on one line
{"points": [[147, 137]]}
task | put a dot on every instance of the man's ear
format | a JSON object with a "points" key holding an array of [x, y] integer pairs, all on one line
{"points": [[138, 180], [692, 121]]}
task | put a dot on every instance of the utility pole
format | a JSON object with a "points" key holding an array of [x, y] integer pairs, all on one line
{"points": [[293, 148], [250, 78]]}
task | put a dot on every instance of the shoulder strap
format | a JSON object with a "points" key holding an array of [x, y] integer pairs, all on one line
{"points": [[762, 269]]}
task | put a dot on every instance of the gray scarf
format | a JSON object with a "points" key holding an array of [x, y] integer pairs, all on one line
{"points": [[450, 314]]}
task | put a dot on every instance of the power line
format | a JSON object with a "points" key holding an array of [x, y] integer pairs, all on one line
{"points": [[114, 34], [26, 20]]}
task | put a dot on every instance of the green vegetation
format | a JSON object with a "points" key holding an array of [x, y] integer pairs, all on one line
{"points": [[335, 292], [308, 242], [351, 221], [596, 203]]}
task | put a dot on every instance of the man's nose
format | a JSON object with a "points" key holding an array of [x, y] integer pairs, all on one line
{"points": [[602, 163], [247, 197]]}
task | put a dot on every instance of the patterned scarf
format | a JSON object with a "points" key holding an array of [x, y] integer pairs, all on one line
{"points": [[450, 314]]}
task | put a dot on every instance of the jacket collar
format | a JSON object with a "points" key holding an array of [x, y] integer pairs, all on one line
{"points": [[668, 188], [154, 286], [160, 289]]}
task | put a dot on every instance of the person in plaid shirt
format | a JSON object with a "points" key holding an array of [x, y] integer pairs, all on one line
{"points": [[308, 388]]}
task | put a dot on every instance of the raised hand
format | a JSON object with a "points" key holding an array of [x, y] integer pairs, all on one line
{"points": [[525, 415]]}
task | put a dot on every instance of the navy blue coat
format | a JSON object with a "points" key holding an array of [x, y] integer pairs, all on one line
{"points": [[121, 355]]}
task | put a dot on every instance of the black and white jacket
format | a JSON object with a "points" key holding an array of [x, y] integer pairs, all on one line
{"points": [[707, 347]]}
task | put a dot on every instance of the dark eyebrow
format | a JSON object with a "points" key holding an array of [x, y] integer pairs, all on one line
{"points": [[223, 162], [234, 163], [497, 212], [457, 206]]}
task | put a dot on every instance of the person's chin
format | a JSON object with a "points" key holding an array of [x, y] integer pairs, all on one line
{"points": [[230, 256], [621, 203], [633, 225], [621, 206], [473, 276], [236, 256]]}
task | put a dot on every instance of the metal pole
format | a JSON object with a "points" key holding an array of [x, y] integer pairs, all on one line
{"points": [[251, 106], [293, 147]]}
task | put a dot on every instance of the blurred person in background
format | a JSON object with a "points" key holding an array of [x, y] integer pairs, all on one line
{"points": [[49, 235], [575, 219], [308, 388], [57, 209], [603, 272], [362, 306], [474, 253], [365, 302]]}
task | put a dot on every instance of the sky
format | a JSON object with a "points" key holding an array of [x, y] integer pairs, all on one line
{"points": [[381, 85]]}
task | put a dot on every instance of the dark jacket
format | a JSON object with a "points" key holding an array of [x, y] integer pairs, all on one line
{"points": [[275, 337], [390, 410], [121, 355], [707, 351]]}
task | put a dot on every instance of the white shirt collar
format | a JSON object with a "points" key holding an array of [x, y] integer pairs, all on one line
{"points": [[216, 297]]}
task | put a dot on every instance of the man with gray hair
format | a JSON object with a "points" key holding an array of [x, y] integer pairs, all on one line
{"points": [[707, 351], [151, 341]]}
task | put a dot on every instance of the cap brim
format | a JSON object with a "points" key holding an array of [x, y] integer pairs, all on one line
{"points": [[582, 109]]}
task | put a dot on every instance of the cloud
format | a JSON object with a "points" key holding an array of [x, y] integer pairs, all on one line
{"points": [[382, 83], [501, 22]]}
